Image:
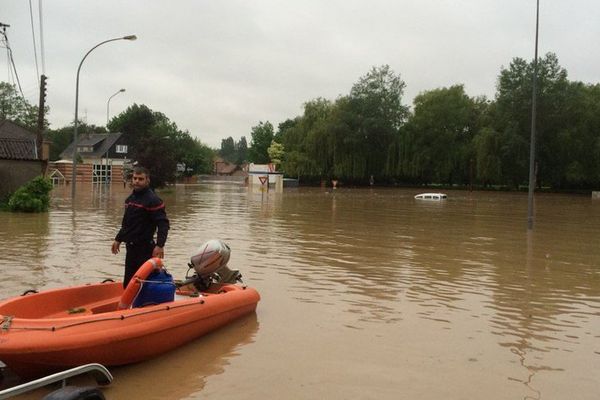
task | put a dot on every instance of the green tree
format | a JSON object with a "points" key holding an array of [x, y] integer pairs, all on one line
{"points": [[241, 148], [204, 157], [195, 157], [513, 118], [136, 123], [157, 153], [15, 108], [576, 142], [234, 152], [381, 91], [262, 135], [228, 151], [311, 140], [366, 124], [292, 134], [158, 144], [487, 149], [276, 152], [282, 129], [442, 127]]}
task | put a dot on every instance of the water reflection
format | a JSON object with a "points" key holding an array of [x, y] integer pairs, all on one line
{"points": [[184, 371], [174, 375], [24, 233]]}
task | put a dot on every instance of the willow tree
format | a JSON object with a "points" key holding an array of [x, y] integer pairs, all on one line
{"points": [[441, 130], [513, 117], [487, 147], [367, 123], [308, 151], [576, 144]]}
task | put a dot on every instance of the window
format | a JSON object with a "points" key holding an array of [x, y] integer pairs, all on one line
{"points": [[121, 148], [101, 173]]}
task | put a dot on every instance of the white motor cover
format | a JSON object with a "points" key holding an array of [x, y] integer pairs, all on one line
{"points": [[211, 256]]}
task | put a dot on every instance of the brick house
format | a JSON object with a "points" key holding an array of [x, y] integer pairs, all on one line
{"points": [[102, 157]]}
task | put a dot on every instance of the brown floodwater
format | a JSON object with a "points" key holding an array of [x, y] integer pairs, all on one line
{"points": [[366, 293]]}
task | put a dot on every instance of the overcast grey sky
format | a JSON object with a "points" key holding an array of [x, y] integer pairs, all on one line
{"points": [[217, 68]]}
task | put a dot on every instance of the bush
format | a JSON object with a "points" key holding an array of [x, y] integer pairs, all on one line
{"points": [[32, 197]]}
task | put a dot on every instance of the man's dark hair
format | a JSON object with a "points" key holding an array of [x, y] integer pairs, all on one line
{"points": [[138, 169]]}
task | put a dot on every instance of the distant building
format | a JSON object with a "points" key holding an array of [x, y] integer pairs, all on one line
{"points": [[19, 158], [264, 176], [102, 157], [222, 167]]}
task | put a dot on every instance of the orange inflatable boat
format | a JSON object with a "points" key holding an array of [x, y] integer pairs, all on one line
{"points": [[52, 330]]}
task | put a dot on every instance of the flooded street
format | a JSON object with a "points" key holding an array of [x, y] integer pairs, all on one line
{"points": [[366, 293]]}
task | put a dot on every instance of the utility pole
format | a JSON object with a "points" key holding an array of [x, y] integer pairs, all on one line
{"points": [[40, 124], [530, 205]]}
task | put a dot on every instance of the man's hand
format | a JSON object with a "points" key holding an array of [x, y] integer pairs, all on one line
{"points": [[116, 247], [158, 252]]}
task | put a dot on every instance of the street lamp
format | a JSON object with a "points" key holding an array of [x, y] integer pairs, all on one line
{"points": [[74, 176], [108, 104]]}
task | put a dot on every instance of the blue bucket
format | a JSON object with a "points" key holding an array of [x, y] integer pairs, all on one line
{"points": [[157, 288]]}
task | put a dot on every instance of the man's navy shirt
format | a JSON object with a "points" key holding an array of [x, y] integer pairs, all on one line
{"points": [[144, 214]]}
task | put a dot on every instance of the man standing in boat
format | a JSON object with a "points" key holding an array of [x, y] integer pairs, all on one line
{"points": [[144, 215]]}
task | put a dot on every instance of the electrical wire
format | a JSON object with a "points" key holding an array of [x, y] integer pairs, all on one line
{"points": [[42, 51], [12, 61], [37, 70]]}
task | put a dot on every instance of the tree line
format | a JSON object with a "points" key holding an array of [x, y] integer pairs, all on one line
{"points": [[447, 137]]}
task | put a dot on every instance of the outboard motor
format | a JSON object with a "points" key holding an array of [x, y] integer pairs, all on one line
{"points": [[209, 262], [209, 257]]}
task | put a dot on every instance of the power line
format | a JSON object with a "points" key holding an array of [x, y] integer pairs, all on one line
{"points": [[37, 70], [42, 38], [10, 56]]}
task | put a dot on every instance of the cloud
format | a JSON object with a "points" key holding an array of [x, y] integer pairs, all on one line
{"points": [[217, 68]]}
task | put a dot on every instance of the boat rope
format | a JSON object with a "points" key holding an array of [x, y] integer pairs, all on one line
{"points": [[160, 282], [8, 319]]}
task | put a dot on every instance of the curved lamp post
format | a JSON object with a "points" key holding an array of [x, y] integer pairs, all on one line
{"points": [[74, 176], [108, 104]]}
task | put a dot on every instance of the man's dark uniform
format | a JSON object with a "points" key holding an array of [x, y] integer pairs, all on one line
{"points": [[144, 214]]}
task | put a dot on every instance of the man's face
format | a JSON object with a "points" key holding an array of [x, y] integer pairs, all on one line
{"points": [[140, 181]]}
